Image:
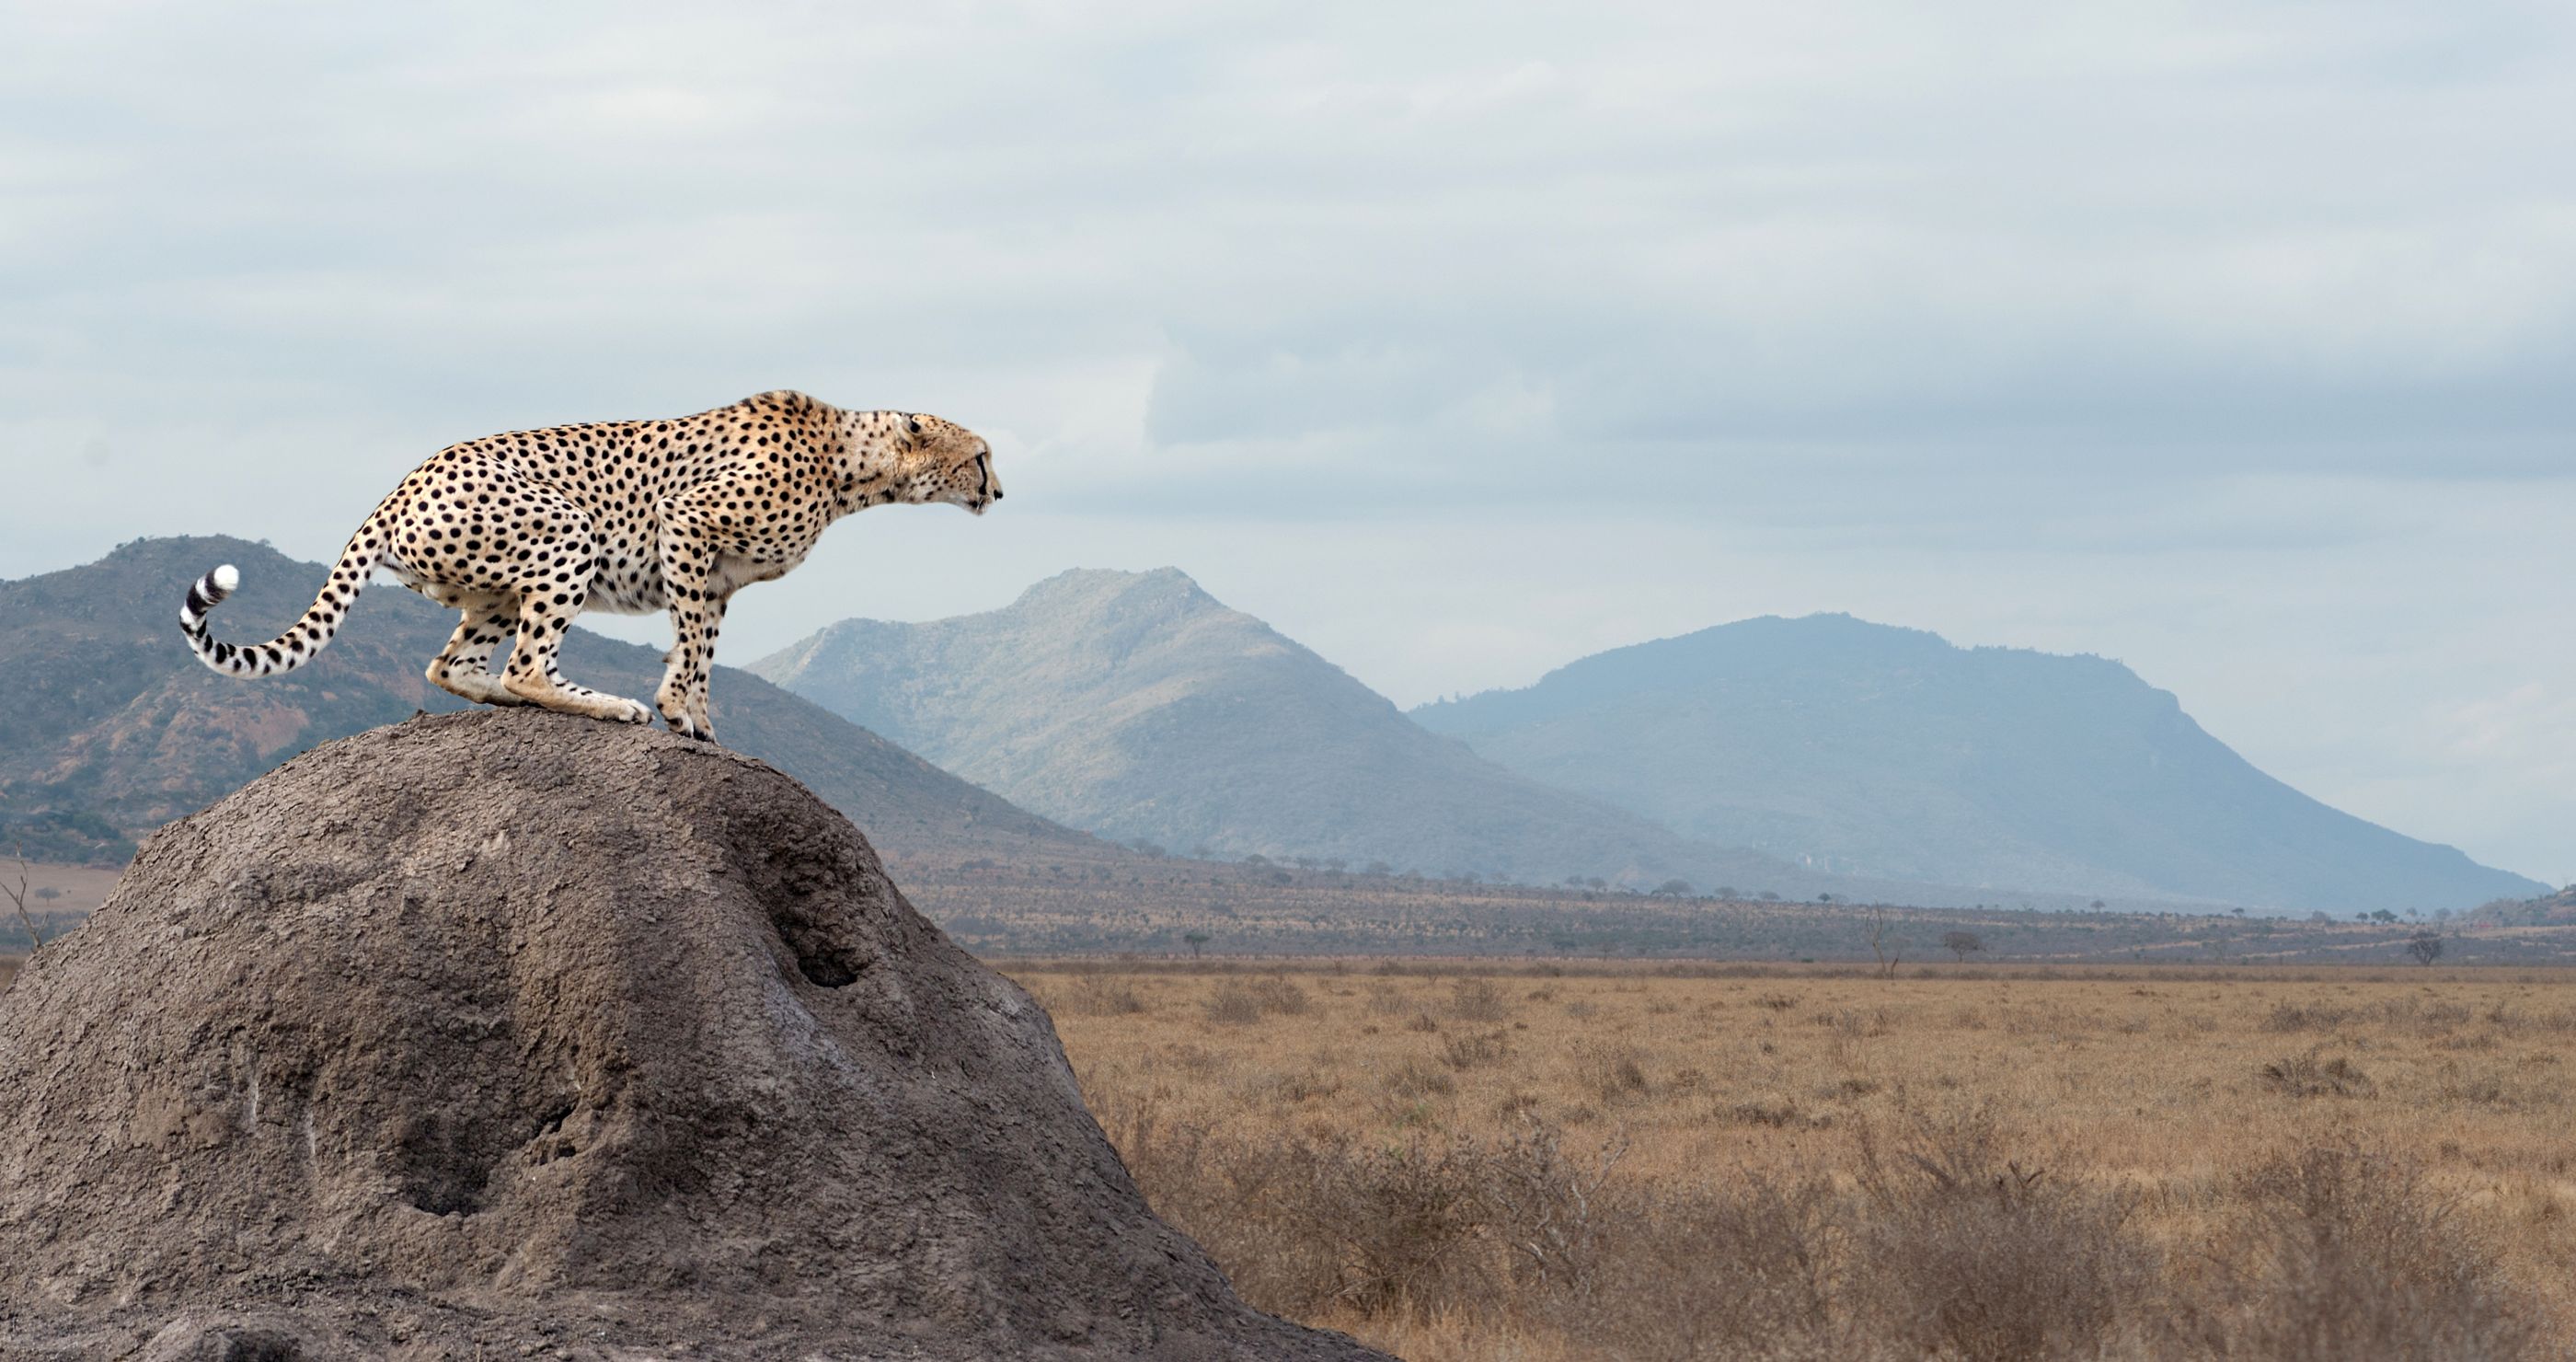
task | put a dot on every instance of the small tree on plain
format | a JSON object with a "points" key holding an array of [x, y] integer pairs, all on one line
{"points": [[1194, 940], [2426, 947], [18, 896], [1883, 943], [1962, 943]]}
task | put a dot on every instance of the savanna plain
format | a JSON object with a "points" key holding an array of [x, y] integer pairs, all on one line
{"points": [[1668, 1160]]}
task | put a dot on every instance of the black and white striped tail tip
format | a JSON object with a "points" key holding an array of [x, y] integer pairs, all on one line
{"points": [[207, 592]]}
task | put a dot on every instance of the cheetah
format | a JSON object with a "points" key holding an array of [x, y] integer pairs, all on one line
{"points": [[524, 531]]}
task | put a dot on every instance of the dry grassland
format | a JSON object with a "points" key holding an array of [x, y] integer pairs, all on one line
{"points": [[1520, 1164]]}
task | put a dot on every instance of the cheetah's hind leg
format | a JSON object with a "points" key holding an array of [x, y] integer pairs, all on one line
{"points": [[546, 610], [464, 666]]}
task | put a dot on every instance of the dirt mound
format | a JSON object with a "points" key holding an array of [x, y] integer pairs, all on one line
{"points": [[517, 1034]]}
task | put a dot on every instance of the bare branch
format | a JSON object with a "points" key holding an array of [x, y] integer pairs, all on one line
{"points": [[18, 896], [1888, 950]]}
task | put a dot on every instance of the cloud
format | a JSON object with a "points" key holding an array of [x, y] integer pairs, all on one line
{"points": [[2180, 331]]}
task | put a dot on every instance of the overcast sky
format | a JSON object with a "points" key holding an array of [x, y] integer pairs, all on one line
{"points": [[2232, 341]]}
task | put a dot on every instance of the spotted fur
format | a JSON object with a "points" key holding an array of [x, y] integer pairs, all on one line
{"points": [[524, 531]]}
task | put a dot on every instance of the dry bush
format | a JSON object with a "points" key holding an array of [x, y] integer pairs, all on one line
{"points": [[1233, 1005], [2358, 1258], [1305, 1085], [1099, 995], [1281, 996], [1853, 1023], [1470, 1052], [2292, 1017], [1751, 1271], [1414, 1081], [1611, 1070], [1478, 1000], [1775, 1115], [2309, 1076], [1238, 1003], [1308, 1225], [1974, 1255]]}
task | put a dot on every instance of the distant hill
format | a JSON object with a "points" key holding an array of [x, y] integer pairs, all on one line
{"points": [[113, 728], [1888, 752], [1135, 706], [2549, 910]]}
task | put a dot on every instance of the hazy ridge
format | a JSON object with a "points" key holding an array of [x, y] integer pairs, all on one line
{"points": [[1136, 706], [116, 729], [1889, 752]]}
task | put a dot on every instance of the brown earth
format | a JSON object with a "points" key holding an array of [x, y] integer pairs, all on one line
{"points": [[511, 1033]]}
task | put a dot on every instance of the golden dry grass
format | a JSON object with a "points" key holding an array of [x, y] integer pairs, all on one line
{"points": [[2169, 1094]]}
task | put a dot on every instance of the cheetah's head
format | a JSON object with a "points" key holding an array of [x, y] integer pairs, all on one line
{"points": [[944, 461]]}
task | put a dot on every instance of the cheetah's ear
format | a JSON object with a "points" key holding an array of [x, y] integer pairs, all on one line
{"points": [[913, 424]]}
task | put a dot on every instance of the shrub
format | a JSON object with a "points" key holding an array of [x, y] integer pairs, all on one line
{"points": [[2358, 1258], [1611, 1071], [2288, 1016], [1095, 995], [1233, 1005], [1973, 1255], [1414, 1081], [1478, 1000], [2308, 1076], [1468, 1052], [1242, 1003]]}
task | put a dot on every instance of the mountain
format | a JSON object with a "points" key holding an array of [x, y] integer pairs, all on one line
{"points": [[113, 728], [1888, 752], [1135, 706]]}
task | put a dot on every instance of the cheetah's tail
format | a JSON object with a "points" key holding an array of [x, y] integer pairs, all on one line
{"points": [[303, 639]]}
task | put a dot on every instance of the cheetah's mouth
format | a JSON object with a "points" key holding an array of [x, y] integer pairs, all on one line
{"points": [[987, 491]]}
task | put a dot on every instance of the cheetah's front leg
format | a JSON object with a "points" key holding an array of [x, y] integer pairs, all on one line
{"points": [[697, 612]]}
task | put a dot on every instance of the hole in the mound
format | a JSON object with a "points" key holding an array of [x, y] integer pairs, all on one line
{"points": [[555, 1116], [823, 953], [458, 1192], [255, 1347], [549, 1143], [814, 896], [824, 970]]}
